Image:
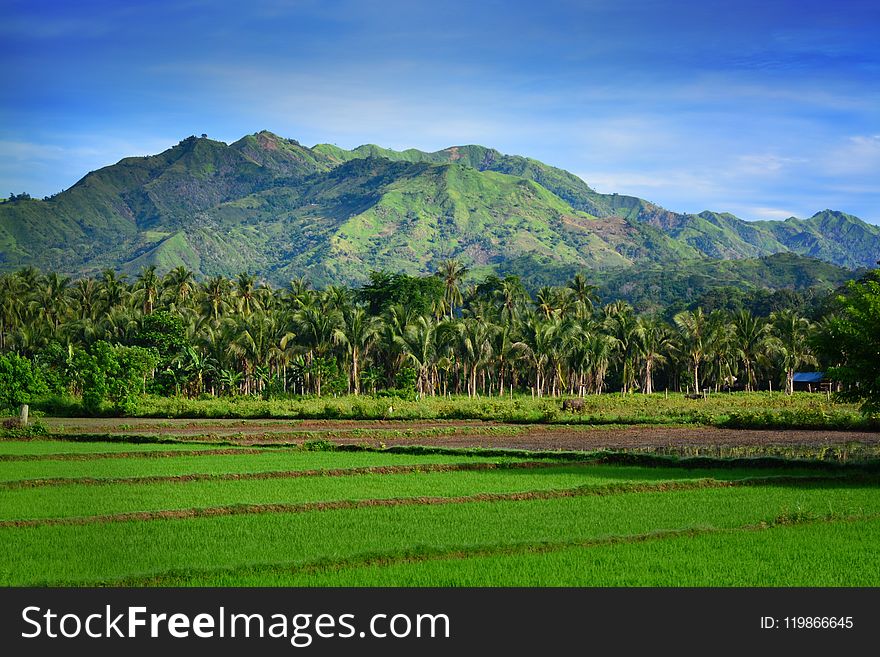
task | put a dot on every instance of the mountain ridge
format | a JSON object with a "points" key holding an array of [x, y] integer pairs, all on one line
{"points": [[272, 206]]}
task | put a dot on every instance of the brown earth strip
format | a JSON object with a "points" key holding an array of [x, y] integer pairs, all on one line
{"points": [[87, 456], [305, 507], [467, 433], [544, 437], [290, 474], [125, 426]]}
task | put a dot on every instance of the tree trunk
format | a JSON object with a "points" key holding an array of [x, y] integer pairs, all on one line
{"points": [[354, 371]]}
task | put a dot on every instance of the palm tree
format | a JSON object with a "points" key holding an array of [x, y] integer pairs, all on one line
{"points": [[357, 332], [511, 296], [417, 343], [505, 349], [721, 353], [315, 331], [585, 295], [451, 272], [536, 335], [621, 323], [653, 343], [146, 289], [179, 286], [601, 348], [52, 299], [790, 333], [335, 297], [247, 299], [750, 339], [13, 292], [693, 327], [545, 301], [215, 296], [114, 290], [86, 298], [197, 365]]}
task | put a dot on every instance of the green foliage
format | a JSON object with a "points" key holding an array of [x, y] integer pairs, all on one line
{"points": [[739, 410], [55, 362], [761, 285], [32, 430], [164, 332], [855, 335], [20, 381], [420, 295], [113, 374]]}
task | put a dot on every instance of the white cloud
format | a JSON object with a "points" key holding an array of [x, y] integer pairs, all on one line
{"points": [[859, 154], [761, 164], [766, 213]]}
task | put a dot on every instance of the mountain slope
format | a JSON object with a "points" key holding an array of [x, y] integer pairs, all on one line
{"points": [[376, 214], [279, 209], [831, 236]]}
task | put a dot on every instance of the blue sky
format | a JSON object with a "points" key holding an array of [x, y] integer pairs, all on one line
{"points": [[762, 108]]}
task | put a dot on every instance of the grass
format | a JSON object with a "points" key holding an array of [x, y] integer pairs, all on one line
{"points": [[736, 410], [171, 552], [809, 554], [268, 460], [75, 500], [160, 510]]}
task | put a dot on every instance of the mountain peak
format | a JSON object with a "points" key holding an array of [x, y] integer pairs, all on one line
{"points": [[269, 204]]}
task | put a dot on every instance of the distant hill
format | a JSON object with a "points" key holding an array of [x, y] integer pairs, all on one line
{"points": [[274, 207]]}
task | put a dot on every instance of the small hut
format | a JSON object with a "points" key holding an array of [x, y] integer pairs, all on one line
{"points": [[811, 382]]}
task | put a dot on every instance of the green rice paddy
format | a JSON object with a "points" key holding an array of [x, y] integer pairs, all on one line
{"points": [[120, 514]]}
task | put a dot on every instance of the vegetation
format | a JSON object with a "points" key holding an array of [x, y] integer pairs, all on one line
{"points": [[807, 554], [270, 205], [210, 464], [98, 345], [78, 499], [853, 337], [359, 527]]}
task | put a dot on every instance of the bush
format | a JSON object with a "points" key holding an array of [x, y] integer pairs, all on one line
{"points": [[20, 381], [12, 428]]}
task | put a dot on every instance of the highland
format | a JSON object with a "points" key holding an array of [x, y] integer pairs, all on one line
{"points": [[280, 210]]}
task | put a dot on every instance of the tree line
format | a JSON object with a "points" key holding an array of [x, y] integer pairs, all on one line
{"points": [[108, 339]]}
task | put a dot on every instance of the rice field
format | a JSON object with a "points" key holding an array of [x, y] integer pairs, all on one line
{"points": [[189, 514]]}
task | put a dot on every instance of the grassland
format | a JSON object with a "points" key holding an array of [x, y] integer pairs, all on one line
{"points": [[732, 410], [144, 514]]}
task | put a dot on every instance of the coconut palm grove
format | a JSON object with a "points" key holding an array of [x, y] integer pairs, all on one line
{"points": [[108, 340]]}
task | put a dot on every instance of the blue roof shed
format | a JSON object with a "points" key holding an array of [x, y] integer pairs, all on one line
{"points": [[808, 377]]}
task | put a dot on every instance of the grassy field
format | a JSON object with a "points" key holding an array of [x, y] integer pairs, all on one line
{"points": [[737, 410], [186, 514]]}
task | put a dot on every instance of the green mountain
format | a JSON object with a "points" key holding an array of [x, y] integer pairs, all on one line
{"points": [[655, 287], [274, 207]]}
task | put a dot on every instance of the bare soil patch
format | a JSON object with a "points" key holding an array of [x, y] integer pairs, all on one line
{"points": [[589, 439], [465, 433], [190, 427]]}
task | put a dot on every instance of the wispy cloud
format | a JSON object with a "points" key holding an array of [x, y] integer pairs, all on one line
{"points": [[776, 214], [755, 107]]}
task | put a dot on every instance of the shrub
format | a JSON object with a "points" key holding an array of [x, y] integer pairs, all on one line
{"points": [[20, 381]]}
